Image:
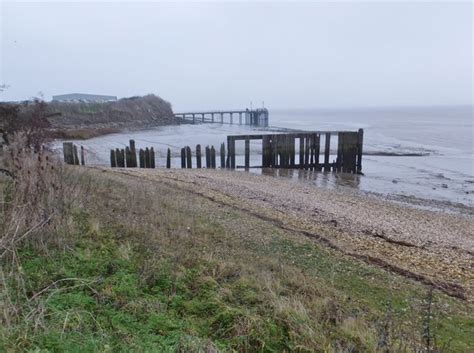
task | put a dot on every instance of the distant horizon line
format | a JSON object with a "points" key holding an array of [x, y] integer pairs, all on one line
{"points": [[346, 107], [293, 108]]}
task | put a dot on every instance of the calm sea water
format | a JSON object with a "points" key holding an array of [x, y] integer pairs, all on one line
{"points": [[444, 135]]}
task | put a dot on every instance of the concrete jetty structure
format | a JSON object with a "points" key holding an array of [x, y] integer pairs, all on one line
{"points": [[255, 117]]}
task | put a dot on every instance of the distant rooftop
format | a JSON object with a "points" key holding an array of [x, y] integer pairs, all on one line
{"points": [[82, 97]]}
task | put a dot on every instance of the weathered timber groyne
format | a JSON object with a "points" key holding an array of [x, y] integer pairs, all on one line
{"points": [[280, 150], [309, 150]]}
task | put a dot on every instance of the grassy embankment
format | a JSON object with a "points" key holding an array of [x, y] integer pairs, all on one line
{"points": [[88, 120], [136, 266]]}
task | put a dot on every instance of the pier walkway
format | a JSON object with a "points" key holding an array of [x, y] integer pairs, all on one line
{"points": [[255, 117]]}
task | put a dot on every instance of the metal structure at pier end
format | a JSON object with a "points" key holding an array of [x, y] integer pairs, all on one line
{"points": [[255, 117]]}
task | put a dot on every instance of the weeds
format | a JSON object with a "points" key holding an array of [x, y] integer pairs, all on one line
{"points": [[142, 268], [36, 207]]}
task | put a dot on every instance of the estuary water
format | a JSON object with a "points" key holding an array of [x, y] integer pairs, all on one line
{"points": [[425, 152]]}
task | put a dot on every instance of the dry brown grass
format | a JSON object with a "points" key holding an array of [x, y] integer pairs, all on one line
{"points": [[36, 204], [134, 110]]}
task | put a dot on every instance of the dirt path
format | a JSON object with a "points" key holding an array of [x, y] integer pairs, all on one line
{"points": [[432, 247]]}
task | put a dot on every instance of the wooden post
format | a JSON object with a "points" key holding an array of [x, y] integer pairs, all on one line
{"points": [[247, 153], [68, 152], [113, 160], [128, 157], [133, 154], [152, 157], [327, 149], [288, 151], [198, 157], [227, 162], [142, 158], [291, 141], [289, 157], [83, 161], [168, 159], [279, 150], [213, 158], [147, 157], [317, 151], [360, 141], [301, 165], [306, 152], [349, 152], [311, 151], [208, 157], [183, 157], [266, 151], [231, 148], [117, 157], [222, 155], [121, 158], [340, 149], [189, 157], [283, 149], [274, 151], [76, 157]]}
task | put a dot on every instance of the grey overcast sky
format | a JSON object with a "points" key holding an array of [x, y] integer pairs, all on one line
{"points": [[224, 55]]}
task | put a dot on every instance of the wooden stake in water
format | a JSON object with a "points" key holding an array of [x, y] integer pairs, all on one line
{"points": [[222, 155], [133, 154], [147, 157], [183, 157], [68, 152], [142, 158], [327, 149], [189, 157], [152, 157], [122, 157], [208, 157], [128, 157], [306, 152], [198, 157], [213, 158], [360, 141], [83, 161], [76, 157], [247, 153], [113, 161]]}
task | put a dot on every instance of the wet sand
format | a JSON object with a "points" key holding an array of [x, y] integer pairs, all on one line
{"points": [[433, 247]]}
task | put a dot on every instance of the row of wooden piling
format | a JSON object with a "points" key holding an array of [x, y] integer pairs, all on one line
{"points": [[71, 156], [127, 157], [210, 157], [279, 151]]}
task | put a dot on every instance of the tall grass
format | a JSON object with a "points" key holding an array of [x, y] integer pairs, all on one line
{"points": [[36, 204]]}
